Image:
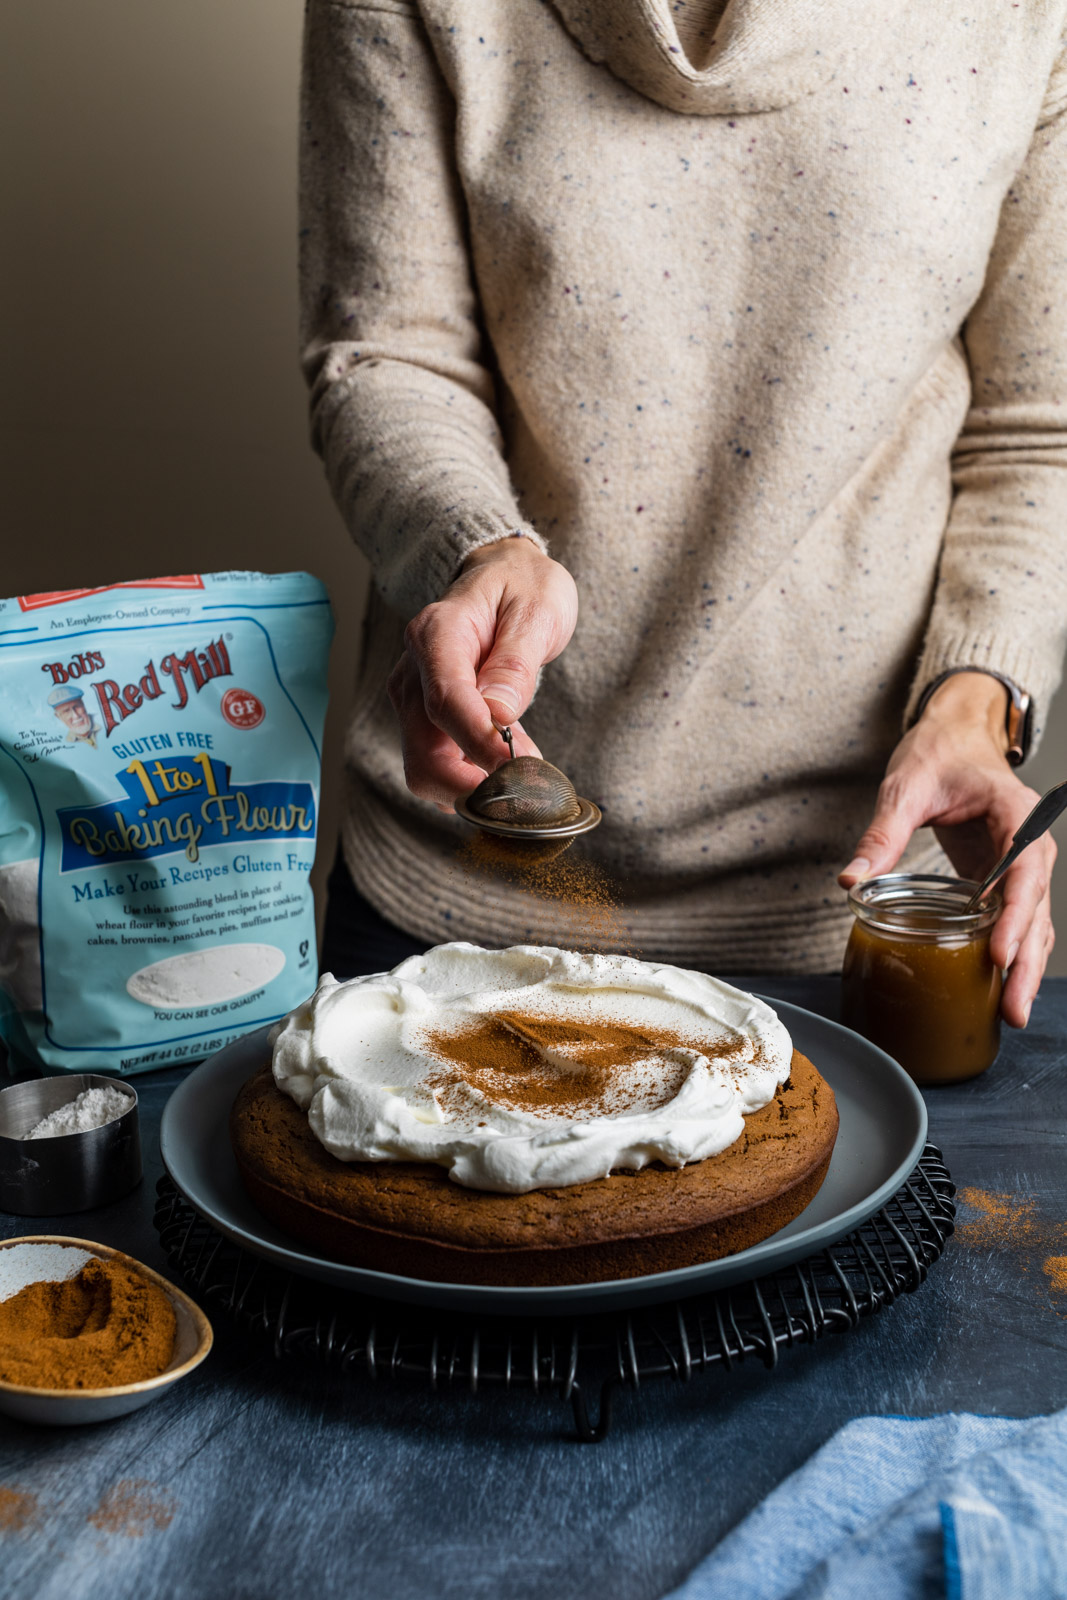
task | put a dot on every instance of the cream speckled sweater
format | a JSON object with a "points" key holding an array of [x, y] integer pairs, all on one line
{"points": [[770, 349]]}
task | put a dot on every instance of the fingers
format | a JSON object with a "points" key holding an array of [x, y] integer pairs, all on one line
{"points": [[508, 678], [532, 626], [446, 644], [447, 730], [435, 768], [1027, 970], [1024, 890], [902, 807], [473, 658], [1023, 937]]}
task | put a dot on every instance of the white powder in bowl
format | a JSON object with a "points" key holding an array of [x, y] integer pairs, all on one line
{"points": [[92, 1109], [204, 977], [32, 1262]]}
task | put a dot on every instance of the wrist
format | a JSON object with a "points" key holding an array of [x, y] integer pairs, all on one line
{"points": [[975, 702], [509, 547], [968, 712]]}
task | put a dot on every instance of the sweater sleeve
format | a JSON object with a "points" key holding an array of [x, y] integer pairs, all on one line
{"points": [[401, 402], [1001, 595]]}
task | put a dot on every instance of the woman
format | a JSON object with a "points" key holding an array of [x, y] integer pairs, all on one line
{"points": [[742, 324]]}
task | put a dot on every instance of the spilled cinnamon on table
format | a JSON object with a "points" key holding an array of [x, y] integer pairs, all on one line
{"points": [[1055, 1270], [1003, 1221], [18, 1511], [133, 1507]]}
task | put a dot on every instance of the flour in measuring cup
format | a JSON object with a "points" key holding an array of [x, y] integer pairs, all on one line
{"points": [[93, 1108]]}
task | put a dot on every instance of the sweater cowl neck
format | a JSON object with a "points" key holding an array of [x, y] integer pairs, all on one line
{"points": [[766, 53]]}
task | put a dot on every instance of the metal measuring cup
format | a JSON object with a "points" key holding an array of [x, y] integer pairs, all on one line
{"points": [[72, 1171]]}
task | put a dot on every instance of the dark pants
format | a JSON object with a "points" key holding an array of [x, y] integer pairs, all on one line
{"points": [[355, 939]]}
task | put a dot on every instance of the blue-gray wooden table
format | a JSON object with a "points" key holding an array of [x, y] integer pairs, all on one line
{"points": [[255, 1478]]}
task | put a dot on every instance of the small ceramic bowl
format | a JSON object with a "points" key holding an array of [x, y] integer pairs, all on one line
{"points": [[45, 1258]]}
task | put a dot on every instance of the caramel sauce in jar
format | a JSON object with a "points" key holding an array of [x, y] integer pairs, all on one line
{"points": [[918, 979]]}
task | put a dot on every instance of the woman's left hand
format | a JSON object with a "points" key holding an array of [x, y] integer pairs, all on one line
{"points": [[949, 772]]}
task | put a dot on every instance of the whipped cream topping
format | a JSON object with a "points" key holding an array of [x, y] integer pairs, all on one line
{"points": [[371, 1063]]}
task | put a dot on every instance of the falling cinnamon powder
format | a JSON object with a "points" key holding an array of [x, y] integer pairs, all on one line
{"points": [[580, 890], [134, 1507]]}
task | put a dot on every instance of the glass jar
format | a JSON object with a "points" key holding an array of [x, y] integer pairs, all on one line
{"points": [[918, 979]]}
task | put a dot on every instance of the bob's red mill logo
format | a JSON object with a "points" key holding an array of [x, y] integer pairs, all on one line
{"points": [[190, 671]]}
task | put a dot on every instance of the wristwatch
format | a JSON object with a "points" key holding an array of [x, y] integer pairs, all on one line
{"points": [[1018, 720]]}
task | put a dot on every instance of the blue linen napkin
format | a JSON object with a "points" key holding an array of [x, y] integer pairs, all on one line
{"points": [[902, 1508]]}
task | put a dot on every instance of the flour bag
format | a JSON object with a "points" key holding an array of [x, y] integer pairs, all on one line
{"points": [[159, 796]]}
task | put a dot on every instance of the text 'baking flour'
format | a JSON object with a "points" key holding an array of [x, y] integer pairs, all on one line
{"points": [[159, 795]]}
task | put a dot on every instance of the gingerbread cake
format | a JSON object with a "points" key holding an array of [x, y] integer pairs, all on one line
{"points": [[532, 1117]]}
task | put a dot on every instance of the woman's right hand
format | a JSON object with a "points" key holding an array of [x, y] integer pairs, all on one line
{"points": [[473, 657]]}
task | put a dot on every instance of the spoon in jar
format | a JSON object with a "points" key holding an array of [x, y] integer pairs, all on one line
{"points": [[1038, 822]]}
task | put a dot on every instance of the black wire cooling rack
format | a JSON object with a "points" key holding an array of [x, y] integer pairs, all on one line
{"points": [[570, 1358]]}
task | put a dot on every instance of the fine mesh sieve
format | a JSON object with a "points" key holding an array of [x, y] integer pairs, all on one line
{"points": [[527, 798]]}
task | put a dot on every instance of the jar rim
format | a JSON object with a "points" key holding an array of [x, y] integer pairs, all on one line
{"points": [[893, 899]]}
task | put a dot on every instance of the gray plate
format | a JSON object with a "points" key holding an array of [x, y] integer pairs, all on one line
{"points": [[883, 1130]]}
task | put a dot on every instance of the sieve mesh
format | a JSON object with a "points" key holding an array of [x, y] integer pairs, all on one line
{"points": [[527, 792]]}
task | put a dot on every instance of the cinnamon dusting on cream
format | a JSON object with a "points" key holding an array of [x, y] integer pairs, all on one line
{"points": [[554, 1066], [356, 1056]]}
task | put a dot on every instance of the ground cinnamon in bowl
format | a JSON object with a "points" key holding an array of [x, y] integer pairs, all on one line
{"points": [[103, 1328]]}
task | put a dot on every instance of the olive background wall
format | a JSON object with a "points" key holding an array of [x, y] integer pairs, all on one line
{"points": [[152, 415]]}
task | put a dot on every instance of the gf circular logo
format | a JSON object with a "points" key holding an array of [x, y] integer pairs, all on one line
{"points": [[242, 709]]}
